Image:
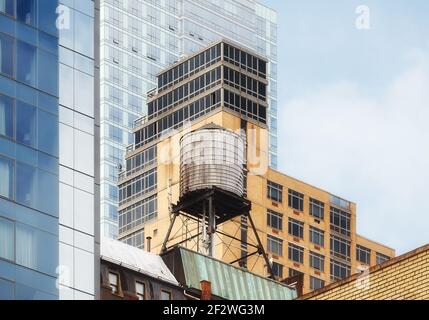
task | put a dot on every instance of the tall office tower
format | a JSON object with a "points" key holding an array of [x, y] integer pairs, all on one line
{"points": [[305, 230], [48, 246], [138, 39]]}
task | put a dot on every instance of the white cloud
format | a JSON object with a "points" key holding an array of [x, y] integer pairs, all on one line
{"points": [[371, 150]]}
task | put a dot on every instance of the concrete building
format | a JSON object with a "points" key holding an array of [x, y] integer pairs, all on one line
{"points": [[48, 162], [402, 278], [304, 229], [141, 37]]}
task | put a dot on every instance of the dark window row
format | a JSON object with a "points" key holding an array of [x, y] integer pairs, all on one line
{"points": [[245, 106], [340, 221], [245, 60], [176, 119], [244, 83], [141, 160], [145, 183], [138, 214], [183, 93], [188, 67]]}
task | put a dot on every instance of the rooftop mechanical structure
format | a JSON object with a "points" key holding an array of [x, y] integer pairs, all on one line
{"points": [[212, 179]]}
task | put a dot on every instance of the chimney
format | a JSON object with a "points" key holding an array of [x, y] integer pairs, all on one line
{"points": [[206, 290], [148, 249]]}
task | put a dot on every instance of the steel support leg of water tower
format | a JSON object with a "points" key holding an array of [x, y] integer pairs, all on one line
{"points": [[211, 226], [167, 236], [261, 248]]}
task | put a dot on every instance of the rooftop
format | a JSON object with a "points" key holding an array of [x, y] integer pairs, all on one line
{"points": [[135, 259]]}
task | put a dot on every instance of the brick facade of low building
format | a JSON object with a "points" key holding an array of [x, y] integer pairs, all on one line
{"points": [[403, 278]]}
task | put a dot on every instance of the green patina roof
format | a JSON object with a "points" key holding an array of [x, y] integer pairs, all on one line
{"points": [[230, 282]]}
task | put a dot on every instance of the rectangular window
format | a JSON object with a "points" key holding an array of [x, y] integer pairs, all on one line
{"points": [[340, 247], [7, 239], [296, 200], [274, 191], [296, 228], [293, 272], [381, 258], [26, 63], [6, 55], [317, 261], [363, 254], [7, 7], [278, 270], [340, 221], [275, 220], [165, 295], [317, 208], [316, 283], [6, 116], [275, 245], [26, 11], [7, 177], [317, 236], [339, 270], [140, 291], [114, 282], [296, 253]]}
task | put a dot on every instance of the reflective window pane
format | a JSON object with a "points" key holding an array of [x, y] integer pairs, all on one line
{"points": [[6, 181], [7, 291], [26, 11], [26, 124], [48, 133], [6, 116], [48, 72], [25, 184], [6, 55], [7, 7], [7, 240], [26, 63], [36, 249]]}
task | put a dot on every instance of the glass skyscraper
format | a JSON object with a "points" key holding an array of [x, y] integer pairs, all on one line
{"points": [[48, 163], [141, 37]]}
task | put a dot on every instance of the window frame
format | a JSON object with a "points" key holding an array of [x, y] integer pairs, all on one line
{"points": [[118, 285], [295, 195], [275, 216]]}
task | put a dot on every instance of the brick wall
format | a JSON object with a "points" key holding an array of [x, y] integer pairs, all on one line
{"points": [[405, 277]]}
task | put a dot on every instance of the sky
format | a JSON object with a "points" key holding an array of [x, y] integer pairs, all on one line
{"points": [[354, 109]]}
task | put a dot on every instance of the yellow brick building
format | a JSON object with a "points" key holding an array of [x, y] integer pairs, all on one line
{"points": [[402, 278], [303, 229]]}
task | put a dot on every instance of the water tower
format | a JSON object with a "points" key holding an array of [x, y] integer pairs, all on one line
{"points": [[212, 180]]}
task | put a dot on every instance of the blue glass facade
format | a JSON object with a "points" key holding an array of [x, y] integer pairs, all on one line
{"points": [[29, 150]]}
